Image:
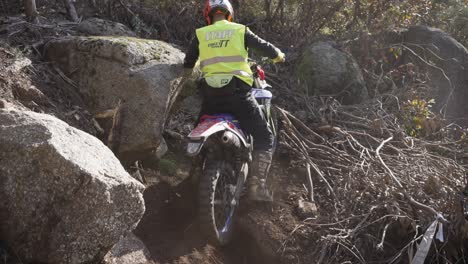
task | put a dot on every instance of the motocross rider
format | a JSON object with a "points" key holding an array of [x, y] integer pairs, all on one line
{"points": [[222, 48]]}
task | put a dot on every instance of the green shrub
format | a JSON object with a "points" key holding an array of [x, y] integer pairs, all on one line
{"points": [[167, 167]]}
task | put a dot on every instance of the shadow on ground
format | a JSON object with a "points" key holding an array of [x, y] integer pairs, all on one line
{"points": [[170, 230]]}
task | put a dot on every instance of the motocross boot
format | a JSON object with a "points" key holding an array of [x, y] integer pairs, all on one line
{"points": [[257, 188]]}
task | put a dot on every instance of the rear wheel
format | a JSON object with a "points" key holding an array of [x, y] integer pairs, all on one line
{"points": [[217, 201]]}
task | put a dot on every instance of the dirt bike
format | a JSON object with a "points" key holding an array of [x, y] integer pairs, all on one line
{"points": [[222, 156]]}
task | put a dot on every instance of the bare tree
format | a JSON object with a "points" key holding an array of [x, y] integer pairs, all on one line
{"points": [[93, 3], [71, 11], [31, 10], [268, 10]]}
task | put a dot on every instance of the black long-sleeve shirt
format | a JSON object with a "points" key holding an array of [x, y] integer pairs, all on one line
{"points": [[252, 41]]}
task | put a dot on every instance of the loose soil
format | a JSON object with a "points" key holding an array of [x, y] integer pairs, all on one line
{"points": [[171, 232]]}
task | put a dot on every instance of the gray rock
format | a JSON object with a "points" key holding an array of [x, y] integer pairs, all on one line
{"points": [[129, 250], [64, 196], [306, 209], [146, 75], [18, 65], [449, 59], [100, 27], [326, 70], [192, 105]]}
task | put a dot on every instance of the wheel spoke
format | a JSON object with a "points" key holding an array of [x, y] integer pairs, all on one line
{"points": [[224, 202]]}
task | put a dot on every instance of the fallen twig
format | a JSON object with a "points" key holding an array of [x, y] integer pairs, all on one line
{"points": [[311, 183]]}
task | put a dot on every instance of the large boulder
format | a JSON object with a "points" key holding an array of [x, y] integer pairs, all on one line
{"points": [[326, 70], [145, 75], [446, 61], [99, 27], [64, 196]]}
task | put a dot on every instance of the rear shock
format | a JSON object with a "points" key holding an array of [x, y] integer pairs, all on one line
{"points": [[238, 160]]}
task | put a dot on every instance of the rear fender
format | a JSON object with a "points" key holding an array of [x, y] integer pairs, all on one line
{"points": [[204, 130]]}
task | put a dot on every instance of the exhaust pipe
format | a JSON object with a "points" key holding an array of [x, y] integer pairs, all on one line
{"points": [[230, 139]]}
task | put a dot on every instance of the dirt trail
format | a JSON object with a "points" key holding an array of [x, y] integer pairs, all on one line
{"points": [[170, 230]]}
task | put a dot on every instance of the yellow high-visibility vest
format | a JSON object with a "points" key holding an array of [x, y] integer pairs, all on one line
{"points": [[223, 53]]}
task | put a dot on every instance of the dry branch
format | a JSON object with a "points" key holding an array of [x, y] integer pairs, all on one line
{"points": [[364, 161], [311, 183]]}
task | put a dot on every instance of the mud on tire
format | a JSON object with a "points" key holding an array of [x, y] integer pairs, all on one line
{"points": [[216, 186]]}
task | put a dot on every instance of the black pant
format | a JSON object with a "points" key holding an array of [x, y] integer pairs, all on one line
{"points": [[237, 99]]}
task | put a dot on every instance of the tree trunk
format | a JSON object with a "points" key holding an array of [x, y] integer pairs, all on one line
{"points": [[93, 3], [281, 3], [268, 10], [109, 4], [71, 11], [31, 11]]}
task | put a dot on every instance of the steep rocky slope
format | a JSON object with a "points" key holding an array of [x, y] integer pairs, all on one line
{"points": [[360, 207]]}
